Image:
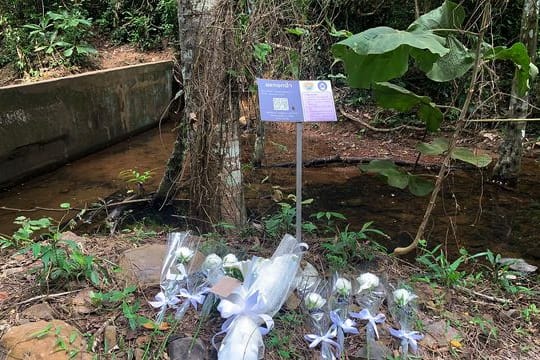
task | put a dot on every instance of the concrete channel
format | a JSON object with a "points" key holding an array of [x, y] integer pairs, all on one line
{"points": [[49, 123]]}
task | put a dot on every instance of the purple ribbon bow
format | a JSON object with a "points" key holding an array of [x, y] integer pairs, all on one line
{"points": [[372, 320], [326, 339], [347, 325], [408, 338]]}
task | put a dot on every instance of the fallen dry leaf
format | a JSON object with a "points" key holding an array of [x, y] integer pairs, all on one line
{"points": [[3, 296], [150, 325]]}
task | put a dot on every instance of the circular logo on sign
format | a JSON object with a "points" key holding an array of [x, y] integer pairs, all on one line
{"points": [[322, 86]]}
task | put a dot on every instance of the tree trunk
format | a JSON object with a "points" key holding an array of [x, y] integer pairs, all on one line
{"points": [[508, 166], [210, 122], [189, 20]]}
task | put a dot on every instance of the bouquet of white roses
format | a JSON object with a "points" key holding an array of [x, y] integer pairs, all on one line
{"points": [[248, 310], [402, 305], [174, 280], [370, 295]]}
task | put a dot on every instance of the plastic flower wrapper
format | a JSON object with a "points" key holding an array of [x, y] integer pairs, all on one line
{"points": [[402, 306], [315, 305], [193, 294], [308, 280], [174, 272], [329, 317], [267, 283], [370, 299], [342, 290]]}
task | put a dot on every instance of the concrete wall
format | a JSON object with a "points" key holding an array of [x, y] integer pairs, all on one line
{"points": [[46, 124]]}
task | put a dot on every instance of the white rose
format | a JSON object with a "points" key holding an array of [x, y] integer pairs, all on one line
{"points": [[184, 254], [230, 261], [342, 287], [314, 301], [403, 296], [367, 281], [212, 261]]}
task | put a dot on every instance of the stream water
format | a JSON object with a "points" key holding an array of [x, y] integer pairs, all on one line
{"points": [[471, 213]]}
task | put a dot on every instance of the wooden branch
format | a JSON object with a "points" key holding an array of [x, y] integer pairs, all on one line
{"points": [[484, 296], [461, 122], [37, 208], [340, 159], [373, 128], [47, 296]]}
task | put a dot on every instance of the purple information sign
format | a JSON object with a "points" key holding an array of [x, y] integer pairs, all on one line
{"points": [[296, 101]]}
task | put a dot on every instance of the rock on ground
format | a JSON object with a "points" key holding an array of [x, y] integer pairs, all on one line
{"points": [[142, 266], [187, 348], [44, 340], [41, 311]]}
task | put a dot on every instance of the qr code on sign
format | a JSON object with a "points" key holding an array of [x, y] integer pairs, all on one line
{"points": [[281, 104]]}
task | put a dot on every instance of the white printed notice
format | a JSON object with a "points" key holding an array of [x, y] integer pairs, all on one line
{"points": [[296, 101]]}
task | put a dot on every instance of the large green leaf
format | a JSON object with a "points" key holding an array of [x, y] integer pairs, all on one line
{"points": [[447, 16], [382, 53], [440, 145], [394, 176], [518, 54], [362, 71], [454, 64], [378, 166], [419, 186], [396, 97], [398, 178], [467, 155], [437, 147]]}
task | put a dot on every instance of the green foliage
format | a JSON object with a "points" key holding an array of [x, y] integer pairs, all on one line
{"points": [[112, 298], [350, 247], [63, 261], [148, 24], [396, 97], [448, 16], [283, 221], [440, 145], [279, 340], [60, 260], [440, 269], [261, 52], [24, 234], [329, 218], [61, 343], [499, 272], [398, 178], [518, 54], [381, 54], [530, 312], [123, 300], [59, 38], [487, 326], [134, 176]]}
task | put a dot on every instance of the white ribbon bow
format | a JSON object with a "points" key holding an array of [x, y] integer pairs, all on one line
{"points": [[163, 301], [194, 299], [242, 304], [327, 338]]}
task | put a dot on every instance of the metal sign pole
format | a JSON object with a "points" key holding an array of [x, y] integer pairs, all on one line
{"points": [[299, 129]]}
